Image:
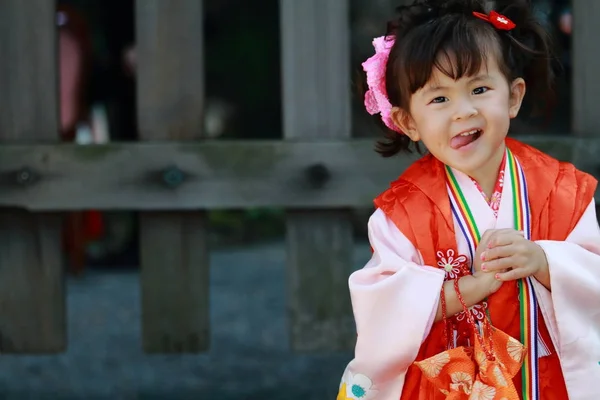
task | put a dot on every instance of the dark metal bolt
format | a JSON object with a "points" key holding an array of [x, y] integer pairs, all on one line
{"points": [[318, 175], [25, 176], [173, 177]]}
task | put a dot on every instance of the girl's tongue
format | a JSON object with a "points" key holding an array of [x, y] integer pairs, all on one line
{"points": [[460, 141]]}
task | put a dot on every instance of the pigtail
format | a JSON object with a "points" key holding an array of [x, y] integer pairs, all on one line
{"points": [[394, 143], [528, 52]]}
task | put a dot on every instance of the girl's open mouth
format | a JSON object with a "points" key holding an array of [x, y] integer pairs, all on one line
{"points": [[465, 138]]}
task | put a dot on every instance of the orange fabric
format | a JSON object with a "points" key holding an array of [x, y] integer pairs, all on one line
{"points": [[559, 194], [466, 373]]}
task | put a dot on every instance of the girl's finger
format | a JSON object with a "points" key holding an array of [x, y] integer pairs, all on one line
{"points": [[498, 252], [498, 264], [505, 238], [512, 275]]}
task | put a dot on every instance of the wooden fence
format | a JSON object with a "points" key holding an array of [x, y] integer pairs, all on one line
{"points": [[172, 176]]}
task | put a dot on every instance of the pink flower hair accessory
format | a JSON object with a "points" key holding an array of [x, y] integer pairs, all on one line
{"points": [[376, 99]]}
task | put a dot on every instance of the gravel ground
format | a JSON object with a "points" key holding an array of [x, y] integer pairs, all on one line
{"points": [[249, 357]]}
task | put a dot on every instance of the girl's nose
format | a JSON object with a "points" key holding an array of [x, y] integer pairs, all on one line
{"points": [[464, 110]]}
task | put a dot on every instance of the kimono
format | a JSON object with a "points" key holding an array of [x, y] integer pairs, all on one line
{"points": [[417, 238]]}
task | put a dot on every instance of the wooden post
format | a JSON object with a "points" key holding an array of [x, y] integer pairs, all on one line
{"points": [[586, 85], [316, 98], [586, 64], [32, 296], [174, 253]]}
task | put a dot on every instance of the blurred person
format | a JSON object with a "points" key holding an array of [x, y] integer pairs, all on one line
{"points": [[75, 49]]}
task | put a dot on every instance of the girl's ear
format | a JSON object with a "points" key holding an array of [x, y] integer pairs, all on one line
{"points": [[404, 121], [517, 93]]}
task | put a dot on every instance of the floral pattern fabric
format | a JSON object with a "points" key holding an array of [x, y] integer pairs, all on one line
{"points": [[356, 387], [467, 373], [457, 265], [494, 201]]}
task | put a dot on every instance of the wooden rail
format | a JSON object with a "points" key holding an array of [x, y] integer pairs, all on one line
{"points": [[218, 174]]}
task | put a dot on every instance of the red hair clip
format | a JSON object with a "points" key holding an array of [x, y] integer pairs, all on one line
{"points": [[498, 20]]}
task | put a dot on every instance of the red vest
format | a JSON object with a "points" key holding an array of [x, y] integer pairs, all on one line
{"points": [[419, 206]]}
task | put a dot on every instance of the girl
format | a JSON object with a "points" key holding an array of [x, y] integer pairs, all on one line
{"points": [[485, 277]]}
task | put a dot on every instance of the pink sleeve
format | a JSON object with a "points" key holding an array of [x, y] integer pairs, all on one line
{"points": [[395, 299], [572, 309]]}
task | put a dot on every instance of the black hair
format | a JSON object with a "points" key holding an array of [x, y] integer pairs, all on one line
{"points": [[445, 34]]}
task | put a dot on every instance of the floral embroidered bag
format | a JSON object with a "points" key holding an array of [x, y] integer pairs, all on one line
{"points": [[481, 372]]}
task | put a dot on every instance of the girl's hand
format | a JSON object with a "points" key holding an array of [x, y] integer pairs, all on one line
{"points": [[510, 256], [487, 282], [484, 245], [485, 279]]}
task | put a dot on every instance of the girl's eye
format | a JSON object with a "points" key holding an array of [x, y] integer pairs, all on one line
{"points": [[439, 100], [480, 90]]}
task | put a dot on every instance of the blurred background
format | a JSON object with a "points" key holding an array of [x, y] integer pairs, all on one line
{"points": [[250, 356], [103, 107]]}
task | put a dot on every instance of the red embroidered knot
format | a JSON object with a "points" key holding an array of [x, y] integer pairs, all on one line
{"points": [[455, 265], [499, 21]]}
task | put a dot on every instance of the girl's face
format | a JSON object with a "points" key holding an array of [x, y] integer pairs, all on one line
{"points": [[463, 123]]}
